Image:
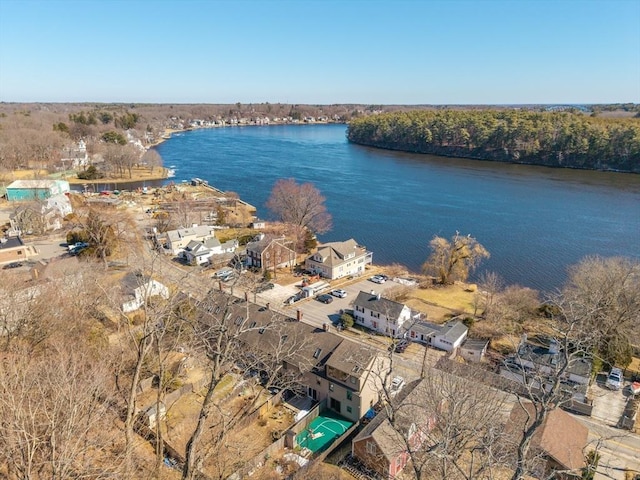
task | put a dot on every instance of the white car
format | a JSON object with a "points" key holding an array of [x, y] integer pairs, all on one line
{"points": [[396, 385], [339, 293], [378, 279], [614, 380]]}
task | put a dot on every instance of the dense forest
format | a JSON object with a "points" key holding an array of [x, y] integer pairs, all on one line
{"points": [[556, 139]]}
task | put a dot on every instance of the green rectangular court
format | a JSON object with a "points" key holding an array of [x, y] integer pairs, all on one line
{"points": [[322, 431]]}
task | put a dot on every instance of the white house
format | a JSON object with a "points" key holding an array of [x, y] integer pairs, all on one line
{"points": [[381, 314], [138, 288], [201, 252], [178, 239], [339, 259], [447, 337], [76, 156]]}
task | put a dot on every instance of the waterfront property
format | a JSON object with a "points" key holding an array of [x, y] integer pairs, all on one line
{"points": [[30, 190], [267, 252], [385, 316], [339, 259], [447, 337]]}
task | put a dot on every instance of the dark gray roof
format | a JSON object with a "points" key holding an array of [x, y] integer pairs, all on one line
{"points": [[11, 242], [377, 303]]}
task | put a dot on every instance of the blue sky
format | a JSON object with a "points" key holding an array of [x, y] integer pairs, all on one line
{"points": [[344, 51]]}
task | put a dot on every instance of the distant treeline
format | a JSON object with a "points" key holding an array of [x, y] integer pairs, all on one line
{"points": [[557, 139]]}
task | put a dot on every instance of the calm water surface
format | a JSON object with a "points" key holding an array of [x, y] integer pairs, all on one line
{"points": [[534, 221]]}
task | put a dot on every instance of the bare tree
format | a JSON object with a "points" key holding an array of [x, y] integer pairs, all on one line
{"points": [[454, 259], [600, 299], [301, 206], [152, 159], [227, 326]]}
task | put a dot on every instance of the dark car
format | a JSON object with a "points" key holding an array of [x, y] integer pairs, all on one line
{"points": [[264, 287], [402, 345], [324, 298], [12, 265]]}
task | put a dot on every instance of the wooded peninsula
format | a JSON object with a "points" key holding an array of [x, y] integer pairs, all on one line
{"points": [[554, 139]]}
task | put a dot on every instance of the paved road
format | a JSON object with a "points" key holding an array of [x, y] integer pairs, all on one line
{"points": [[620, 449]]}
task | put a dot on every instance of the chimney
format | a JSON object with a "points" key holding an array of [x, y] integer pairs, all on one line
{"points": [[373, 292], [325, 327], [298, 315], [246, 296], [378, 297], [268, 305]]}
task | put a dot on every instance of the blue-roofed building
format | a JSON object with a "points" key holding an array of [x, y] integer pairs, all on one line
{"points": [[28, 190]]}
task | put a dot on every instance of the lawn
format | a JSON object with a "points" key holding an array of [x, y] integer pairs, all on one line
{"points": [[441, 302]]}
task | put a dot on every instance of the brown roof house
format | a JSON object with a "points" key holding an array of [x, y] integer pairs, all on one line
{"points": [[268, 253], [383, 445], [557, 446]]}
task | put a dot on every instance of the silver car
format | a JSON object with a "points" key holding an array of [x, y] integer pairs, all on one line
{"points": [[614, 380]]}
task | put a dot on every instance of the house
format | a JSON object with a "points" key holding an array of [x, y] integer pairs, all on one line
{"points": [[200, 253], [29, 190], [76, 156], [328, 368], [267, 252], [177, 240], [447, 337], [41, 216], [559, 443], [545, 360], [138, 288], [351, 380], [339, 259], [383, 446], [473, 350], [14, 250], [377, 313]]}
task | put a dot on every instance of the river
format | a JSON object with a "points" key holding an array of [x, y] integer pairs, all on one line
{"points": [[535, 221]]}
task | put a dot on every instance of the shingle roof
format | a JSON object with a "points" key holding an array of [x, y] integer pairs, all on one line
{"points": [[379, 304], [352, 358], [334, 253], [561, 437]]}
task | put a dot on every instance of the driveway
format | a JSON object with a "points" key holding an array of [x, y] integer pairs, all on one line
{"points": [[608, 405]]}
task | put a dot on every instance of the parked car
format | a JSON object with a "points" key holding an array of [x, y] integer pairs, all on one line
{"points": [[377, 279], [402, 345], [396, 385], [339, 293], [614, 380], [382, 276], [324, 298], [223, 272], [263, 287], [12, 265]]}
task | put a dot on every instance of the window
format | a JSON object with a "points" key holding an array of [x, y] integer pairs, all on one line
{"points": [[375, 325], [217, 310], [349, 395], [353, 380], [349, 409], [283, 338], [331, 387], [371, 448], [253, 324], [261, 331]]}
